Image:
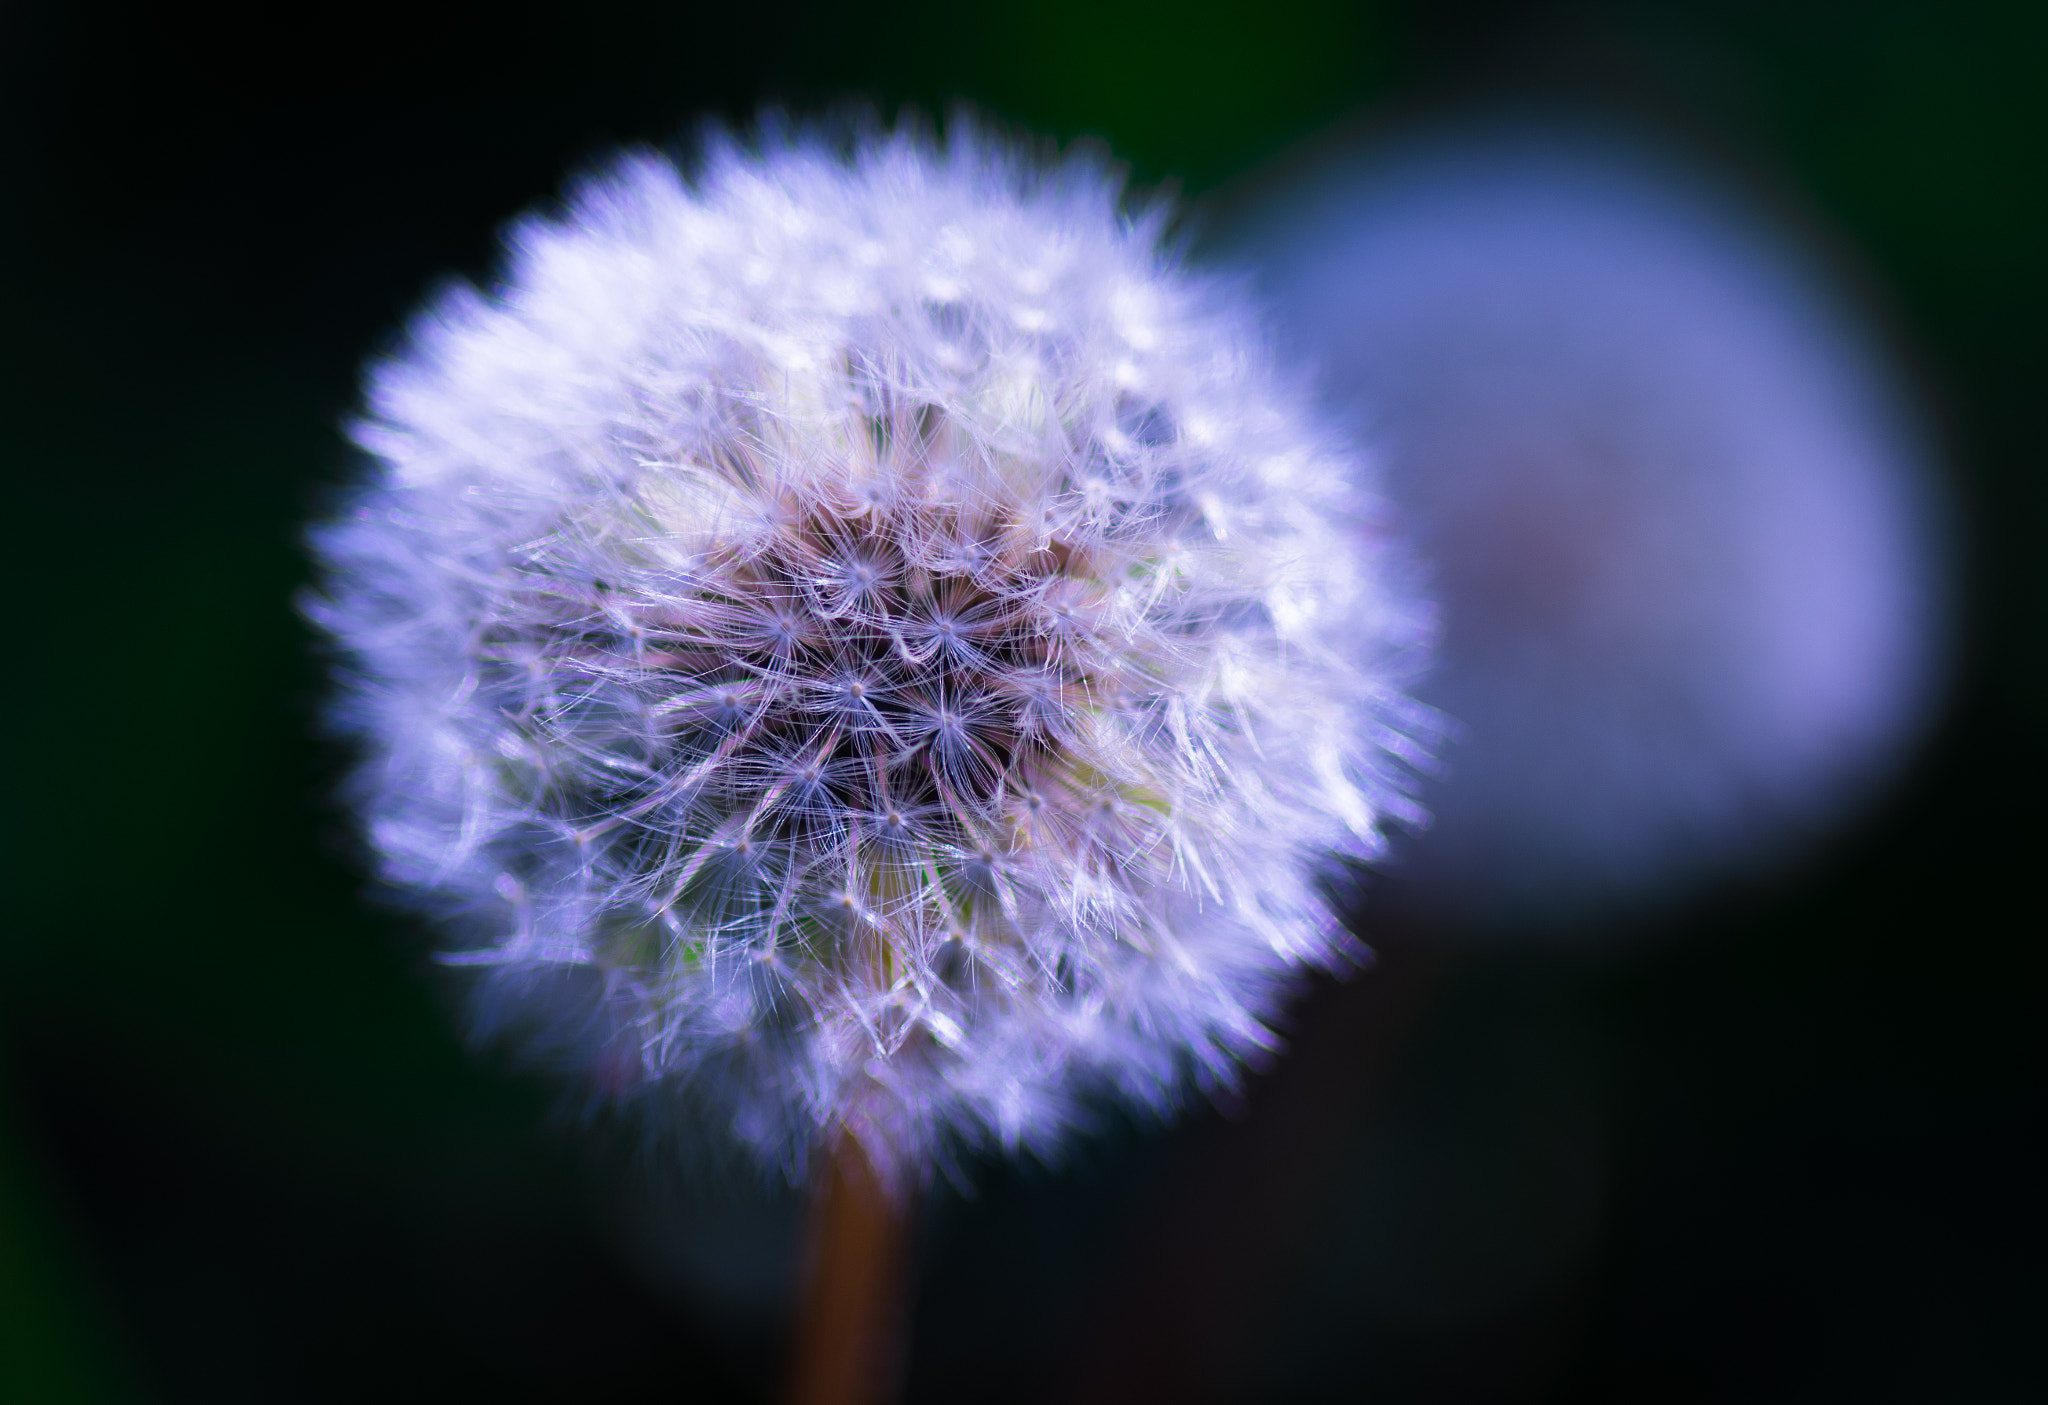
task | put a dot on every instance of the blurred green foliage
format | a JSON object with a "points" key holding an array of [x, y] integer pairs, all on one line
{"points": [[48, 1348], [1194, 92]]}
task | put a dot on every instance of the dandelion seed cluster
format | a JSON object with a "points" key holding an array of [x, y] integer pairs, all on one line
{"points": [[856, 641], [1686, 531]]}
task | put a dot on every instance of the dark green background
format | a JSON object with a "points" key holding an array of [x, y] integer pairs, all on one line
{"points": [[242, 1155]]}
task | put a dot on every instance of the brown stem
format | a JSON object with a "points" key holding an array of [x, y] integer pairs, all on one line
{"points": [[852, 1317]]}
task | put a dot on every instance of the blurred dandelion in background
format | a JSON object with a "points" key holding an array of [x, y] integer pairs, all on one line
{"points": [[857, 643], [1680, 509]]}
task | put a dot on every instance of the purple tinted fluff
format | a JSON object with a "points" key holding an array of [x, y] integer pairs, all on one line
{"points": [[862, 644], [1682, 523]]}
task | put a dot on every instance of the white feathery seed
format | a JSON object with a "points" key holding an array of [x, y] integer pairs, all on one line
{"points": [[860, 642]]}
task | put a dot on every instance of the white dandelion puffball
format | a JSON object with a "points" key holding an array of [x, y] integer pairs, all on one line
{"points": [[1686, 531], [849, 642]]}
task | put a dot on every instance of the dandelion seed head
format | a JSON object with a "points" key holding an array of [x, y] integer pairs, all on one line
{"points": [[809, 661], [1687, 528]]}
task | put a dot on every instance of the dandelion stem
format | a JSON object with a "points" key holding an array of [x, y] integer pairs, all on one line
{"points": [[852, 1317]]}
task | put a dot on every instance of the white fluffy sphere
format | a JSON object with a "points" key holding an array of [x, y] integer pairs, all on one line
{"points": [[852, 641]]}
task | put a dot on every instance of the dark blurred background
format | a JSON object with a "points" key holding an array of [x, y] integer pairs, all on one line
{"points": [[1785, 1143]]}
